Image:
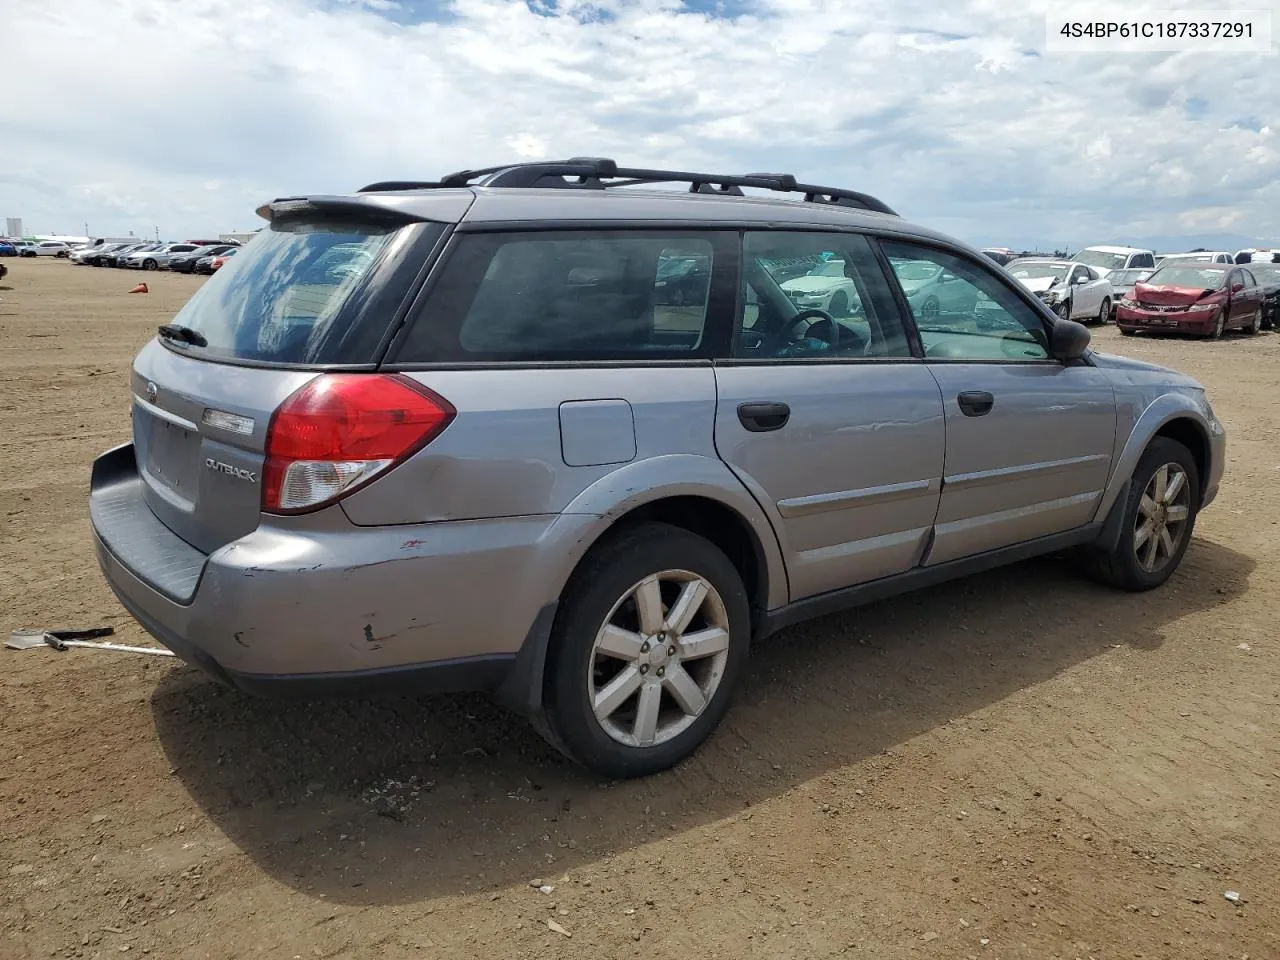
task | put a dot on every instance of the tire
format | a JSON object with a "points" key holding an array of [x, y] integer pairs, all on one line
{"points": [[602, 593], [1104, 312], [1125, 567], [839, 306], [149, 264], [930, 309], [1063, 310], [1127, 333], [61, 255], [1221, 325], [1255, 325]]}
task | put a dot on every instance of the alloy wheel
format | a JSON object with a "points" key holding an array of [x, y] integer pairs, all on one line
{"points": [[658, 659], [1162, 517]]}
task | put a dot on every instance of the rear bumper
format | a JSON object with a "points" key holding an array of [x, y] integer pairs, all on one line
{"points": [[332, 608]]}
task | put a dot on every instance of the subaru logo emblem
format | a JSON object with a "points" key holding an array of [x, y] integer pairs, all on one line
{"points": [[152, 392]]}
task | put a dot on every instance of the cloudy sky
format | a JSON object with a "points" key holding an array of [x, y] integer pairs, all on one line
{"points": [[186, 114]]}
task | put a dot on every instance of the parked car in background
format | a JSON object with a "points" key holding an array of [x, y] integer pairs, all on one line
{"points": [[49, 248], [1001, 255], [1201, 298], [25, 248], [92, 256], [333, 473], [681, 281], [213, 264], [186, 262], [824, 287], [1074, 291], [7, 249], [1250, 255], [1198, 256], [1122, 282], [157, 258], [214, 243], [112, 258], [934, 292], [1104, 259], [1268, 277]]}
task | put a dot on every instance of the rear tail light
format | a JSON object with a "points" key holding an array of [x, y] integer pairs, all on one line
{"points": [[340, 431]]}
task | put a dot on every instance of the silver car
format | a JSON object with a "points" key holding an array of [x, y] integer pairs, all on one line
{"points": [[451, 435], [156, 258], [1074, 291]]}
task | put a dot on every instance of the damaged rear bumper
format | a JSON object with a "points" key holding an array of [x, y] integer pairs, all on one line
{"points": [[334, 608]]}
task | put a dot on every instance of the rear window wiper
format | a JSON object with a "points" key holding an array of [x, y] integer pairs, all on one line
{"points": [[175, 331]]}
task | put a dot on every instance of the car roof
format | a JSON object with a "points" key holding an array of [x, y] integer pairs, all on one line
{"points": [[1103, 248], [1196, 253], [623, 204], [1055, 261], [594, 190]]}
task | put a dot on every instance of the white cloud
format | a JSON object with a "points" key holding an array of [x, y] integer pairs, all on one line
{"points": [[186, 114]]}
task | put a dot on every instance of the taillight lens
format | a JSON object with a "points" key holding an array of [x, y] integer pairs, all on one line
{"points": [[340, 431]]}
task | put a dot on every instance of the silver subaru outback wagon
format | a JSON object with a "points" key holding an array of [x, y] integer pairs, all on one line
{"points": [[577, 435]]}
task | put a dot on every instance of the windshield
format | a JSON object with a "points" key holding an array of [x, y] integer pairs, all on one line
{"points": [[1097, 258], [283, 301], [1037, 271], [915, 270], [1120, 278], [1185, 275]]}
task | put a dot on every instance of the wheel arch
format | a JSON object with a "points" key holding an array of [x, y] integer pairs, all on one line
{"points": [[700, 494], [1174, 416]]}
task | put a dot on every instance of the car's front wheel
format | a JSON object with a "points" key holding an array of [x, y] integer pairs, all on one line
{"points": [[1063, 310], [1255, 323], [1159, 517], [647, 647], [149, 264]]}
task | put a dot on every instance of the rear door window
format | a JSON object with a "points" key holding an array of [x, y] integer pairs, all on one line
{"points": [[599, 296], [302, 292]]}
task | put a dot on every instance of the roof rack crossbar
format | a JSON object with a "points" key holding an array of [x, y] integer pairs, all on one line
{"points": [[596, 173]]}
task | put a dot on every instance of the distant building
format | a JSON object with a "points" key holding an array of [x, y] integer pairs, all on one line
{"points": [[13, 226]]}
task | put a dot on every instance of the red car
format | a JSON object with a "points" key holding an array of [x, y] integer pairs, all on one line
{"points": [[1200, 298]]}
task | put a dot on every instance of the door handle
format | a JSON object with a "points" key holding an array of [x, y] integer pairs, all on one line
{"points": [[763, 417], [975, 403]]}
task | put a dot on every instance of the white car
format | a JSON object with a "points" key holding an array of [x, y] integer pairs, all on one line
{"points": [[155, 259], [1104, 259], [825, 287], [1198, 256], [1074, 291], [1251, 255], [48, 248]]}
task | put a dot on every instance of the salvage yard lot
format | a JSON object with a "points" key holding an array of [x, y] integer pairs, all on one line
{"points": [[1021, 764]]}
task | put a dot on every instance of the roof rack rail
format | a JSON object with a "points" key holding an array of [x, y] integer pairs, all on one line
{"points": [[598, 173]]}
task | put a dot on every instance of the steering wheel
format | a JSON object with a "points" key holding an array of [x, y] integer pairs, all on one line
{"points": [[820, 335]]}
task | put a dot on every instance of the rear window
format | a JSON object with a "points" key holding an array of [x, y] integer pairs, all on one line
{"points": [[553, 296], [297, 294]]}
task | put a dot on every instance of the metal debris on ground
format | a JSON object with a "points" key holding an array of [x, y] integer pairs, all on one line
{"points": [[28, 639]]}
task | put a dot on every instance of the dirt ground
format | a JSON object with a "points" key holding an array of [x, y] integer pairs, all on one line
{"points": [[1018, 765]]}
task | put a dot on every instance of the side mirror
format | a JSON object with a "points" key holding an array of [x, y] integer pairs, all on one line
{"points": [[1069, 340], [1237, 287], [1081, 278]]}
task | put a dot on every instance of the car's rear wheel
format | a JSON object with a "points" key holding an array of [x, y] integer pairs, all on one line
{"points": [[839, 306], [648, 644], [1159, 517], [1104, 311]]}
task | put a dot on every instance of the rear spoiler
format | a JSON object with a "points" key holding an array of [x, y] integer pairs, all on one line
{"points": [[289, 207]]}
